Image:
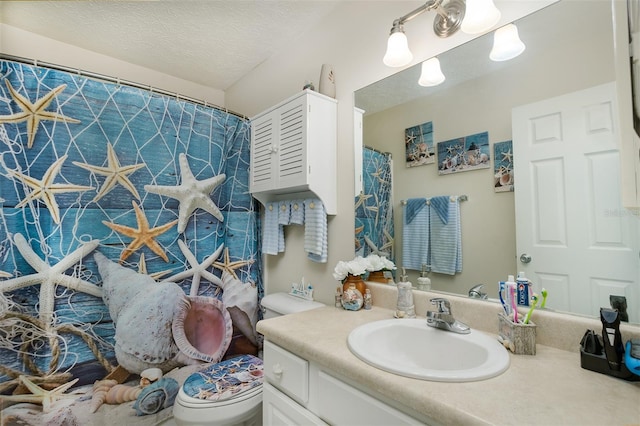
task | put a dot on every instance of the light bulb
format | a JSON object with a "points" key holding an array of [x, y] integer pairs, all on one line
{"points": [[431, 74], [506, 44], [480, 16]]}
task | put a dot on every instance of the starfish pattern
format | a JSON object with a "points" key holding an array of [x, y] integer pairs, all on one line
{"points": [[41, 396], [362, 197], [114, 172], [409, 138], [4, 274], [375, 250], [357, 241], [230, 267], [45, 189], [198, 270], [191, 193], [50, 276], [33, 113], [507, 156], [142, 269], [141, 236]]}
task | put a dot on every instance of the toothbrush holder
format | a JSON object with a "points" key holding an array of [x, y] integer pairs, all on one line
{"points": [[518, 338]]}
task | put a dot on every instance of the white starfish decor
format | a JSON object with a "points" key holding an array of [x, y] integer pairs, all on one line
{"points": [[197, 270], [114, 173], [33, 113], [44, 189], [50, 276], [191, 193], [41, 396]]}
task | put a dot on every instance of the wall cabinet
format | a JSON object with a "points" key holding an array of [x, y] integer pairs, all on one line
{"points": [[293, 150], [297, 391]]}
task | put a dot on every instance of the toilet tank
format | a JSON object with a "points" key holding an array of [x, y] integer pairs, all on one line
{"points": [[278, 304]]}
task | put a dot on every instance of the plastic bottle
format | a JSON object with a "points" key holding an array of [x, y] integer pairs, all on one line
{"points": [[511, 300], [424, 282], [338, 297], [523, 289], [405, 307], [367, 299]]}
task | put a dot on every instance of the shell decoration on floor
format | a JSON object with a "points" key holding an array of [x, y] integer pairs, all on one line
{"points": [[176, 329], [157, 396], [241, 300]]}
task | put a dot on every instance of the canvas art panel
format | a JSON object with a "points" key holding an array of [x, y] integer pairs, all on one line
{"points": [[463, 154], [418, 142], [503, 166]]}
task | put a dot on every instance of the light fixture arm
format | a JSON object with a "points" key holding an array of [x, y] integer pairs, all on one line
{"points": [[433, 4], [447, 22]]}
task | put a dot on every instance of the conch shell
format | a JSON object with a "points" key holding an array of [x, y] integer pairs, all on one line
{"points": [[122, 393], [157, 324], [157, 396], [241, 300], [100, 389]]}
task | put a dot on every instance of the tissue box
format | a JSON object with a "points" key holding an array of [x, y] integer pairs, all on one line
{"points": [[519, 338]]}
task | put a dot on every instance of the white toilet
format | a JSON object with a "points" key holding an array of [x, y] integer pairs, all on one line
{"points": [[245, 408]]}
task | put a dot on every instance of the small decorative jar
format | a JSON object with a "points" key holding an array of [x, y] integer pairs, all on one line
{"points": [[352, 299], [378, 277], [356, 280]]}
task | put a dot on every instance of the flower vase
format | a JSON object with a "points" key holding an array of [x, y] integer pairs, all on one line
{"points": [[378, 277], [356, 280]]}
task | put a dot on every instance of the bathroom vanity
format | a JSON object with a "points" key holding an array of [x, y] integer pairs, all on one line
{"points": [[313, 378]]}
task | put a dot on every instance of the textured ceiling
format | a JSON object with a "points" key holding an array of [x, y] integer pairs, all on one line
{"points": [[209, 42]]}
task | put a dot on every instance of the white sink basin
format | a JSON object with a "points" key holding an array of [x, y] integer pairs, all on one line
{"points": [[409, 347]]}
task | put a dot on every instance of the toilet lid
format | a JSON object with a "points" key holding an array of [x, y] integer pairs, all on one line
{"points": [[190, 402], [225, 380]]}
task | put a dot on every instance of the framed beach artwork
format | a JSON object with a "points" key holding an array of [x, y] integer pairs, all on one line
{"points": [[463, 154], [418, 142], [503, 166]]}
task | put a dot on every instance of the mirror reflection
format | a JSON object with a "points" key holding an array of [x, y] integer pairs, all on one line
{"points": [[569, 48]]}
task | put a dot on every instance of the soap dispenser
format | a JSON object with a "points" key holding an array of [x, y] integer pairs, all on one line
{"points": [[424, 282], [405, 307]]}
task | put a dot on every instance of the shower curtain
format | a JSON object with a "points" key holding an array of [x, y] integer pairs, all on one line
{"points": [[84, 162], [374, 231]]}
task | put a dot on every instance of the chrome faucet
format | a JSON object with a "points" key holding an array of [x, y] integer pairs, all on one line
{"points": [[443, 318], [476, 292]]}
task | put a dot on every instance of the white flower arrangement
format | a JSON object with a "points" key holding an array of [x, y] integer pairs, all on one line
{"points": [[360, 265]]}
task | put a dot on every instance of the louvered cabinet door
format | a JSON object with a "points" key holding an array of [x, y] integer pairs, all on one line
{"points": [[264, 146], [292, 148]]}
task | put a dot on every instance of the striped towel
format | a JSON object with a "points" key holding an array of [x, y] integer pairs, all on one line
{"points": [[284, 212], [446, 241], [297, 212], [415, 237], [315, 230], [273, 232]]}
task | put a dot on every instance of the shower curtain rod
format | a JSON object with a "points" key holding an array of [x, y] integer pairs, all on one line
{"points": [[117, 80], [378, 151], [460, 198]]}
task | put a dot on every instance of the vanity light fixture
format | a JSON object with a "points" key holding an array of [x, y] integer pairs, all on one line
{"points": [[431, 74], [506, 44], [447, 22], [481, 16]]}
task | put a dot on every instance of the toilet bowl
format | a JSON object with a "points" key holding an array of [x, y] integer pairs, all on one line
{"points": [[245, 407]]}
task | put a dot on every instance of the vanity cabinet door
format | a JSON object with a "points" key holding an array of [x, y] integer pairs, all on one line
{"points": [[278, 409], [288, 372]]}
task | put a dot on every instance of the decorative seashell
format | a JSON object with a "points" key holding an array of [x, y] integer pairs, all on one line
{"points": [[157, 396], [241, 300], [100, 389], [150, 375], [122, 393], [177, 330]]}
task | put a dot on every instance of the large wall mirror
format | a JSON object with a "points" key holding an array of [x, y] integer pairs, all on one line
{"points": [[569, 48]]}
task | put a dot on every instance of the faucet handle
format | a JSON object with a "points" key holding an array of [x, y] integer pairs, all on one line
{"points": [[443, 305]]}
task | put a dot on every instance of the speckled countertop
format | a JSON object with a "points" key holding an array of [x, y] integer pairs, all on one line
{"points": [[546, 389]]}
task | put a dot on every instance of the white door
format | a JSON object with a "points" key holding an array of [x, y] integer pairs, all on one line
{"points": [[582, 244]]}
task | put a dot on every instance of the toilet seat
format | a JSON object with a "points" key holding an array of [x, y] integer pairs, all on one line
{"points": [[245, 408], [191, 402]]}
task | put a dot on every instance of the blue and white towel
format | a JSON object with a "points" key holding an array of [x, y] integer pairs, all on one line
{"points": [[297, 212], [445, 245], [315, 230], [284, 212], [415, 234], [273, 232]]}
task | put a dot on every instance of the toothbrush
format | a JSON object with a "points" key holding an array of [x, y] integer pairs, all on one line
{"points": [[512, 299], [534, 300], [544, 298]]}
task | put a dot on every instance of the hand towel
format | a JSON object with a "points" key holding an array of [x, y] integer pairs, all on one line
{"points": [[413, 206], [315, 230], [273, 233], [415, 237], [297, 212], [284, 212], [445, 245], [441, 206]]}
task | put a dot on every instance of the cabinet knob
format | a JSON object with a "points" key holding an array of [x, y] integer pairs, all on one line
{"points": [[274, 149], [277, 371]]}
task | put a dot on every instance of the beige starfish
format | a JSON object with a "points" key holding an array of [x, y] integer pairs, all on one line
{"points": [[362, 198], [191, 193], [50, 276], [229, 266], [34, 113], [507, 156], [45, 189], [4, 274], [41, 396], [142, 269], [114, 172], [357, 241], [197, 270], [141, 236]]}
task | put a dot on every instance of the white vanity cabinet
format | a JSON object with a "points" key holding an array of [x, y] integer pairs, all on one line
{"points": [[293, 150], [297, 392]]}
